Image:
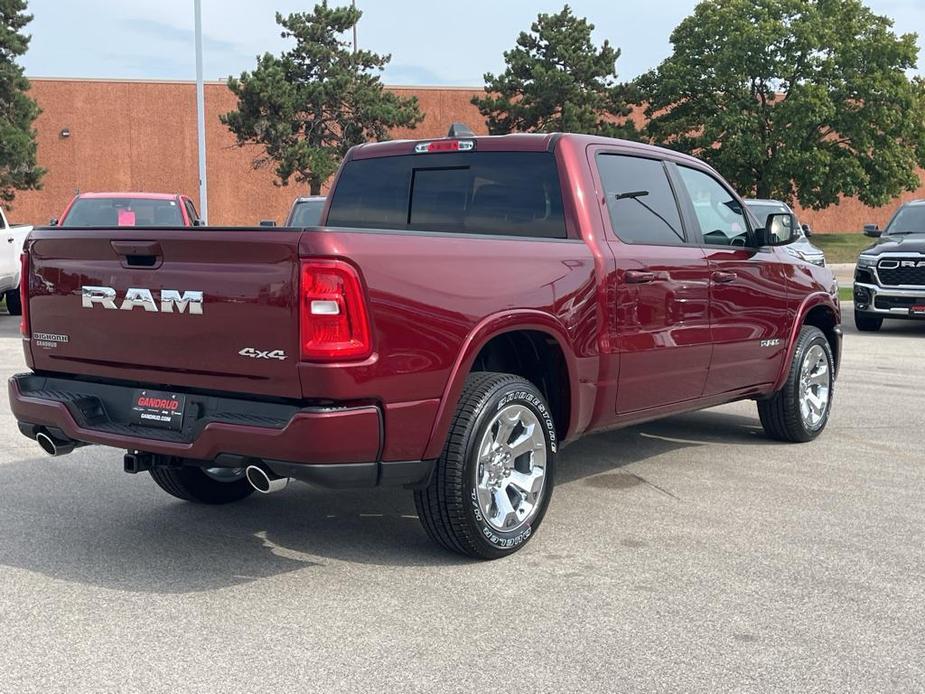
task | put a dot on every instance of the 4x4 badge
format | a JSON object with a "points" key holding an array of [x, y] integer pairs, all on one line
{"points": [[263, 354]]}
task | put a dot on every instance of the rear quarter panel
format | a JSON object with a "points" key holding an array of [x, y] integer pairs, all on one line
{"points": [[435, 299]]}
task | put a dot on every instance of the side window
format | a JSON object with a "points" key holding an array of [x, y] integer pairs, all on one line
{"points": [[721, 217], [191, 211], [642, 206]]}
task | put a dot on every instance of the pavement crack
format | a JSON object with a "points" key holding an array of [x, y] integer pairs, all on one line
{"points": [[655, 486]]}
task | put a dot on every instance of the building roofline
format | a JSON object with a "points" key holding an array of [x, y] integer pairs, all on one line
{"points": [[140, 80]]}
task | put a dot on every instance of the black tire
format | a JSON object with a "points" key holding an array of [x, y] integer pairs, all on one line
{"points": [[780, 415], [866, 322], [448, 507], [13, 302], [192, 484]]}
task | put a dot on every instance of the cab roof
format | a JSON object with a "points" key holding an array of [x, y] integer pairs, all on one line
{"points": [[519, 142], [143, 196]]}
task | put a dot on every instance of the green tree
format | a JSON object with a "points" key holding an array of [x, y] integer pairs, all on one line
{"points": [[793, 99], [18, 170], [311, 104], [557, 80]]}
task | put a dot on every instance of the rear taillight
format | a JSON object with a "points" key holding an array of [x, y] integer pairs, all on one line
{"points": [[334, 324], [24, 327]]}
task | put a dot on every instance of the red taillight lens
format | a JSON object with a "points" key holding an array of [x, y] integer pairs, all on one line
{"points": [[24, 327], [334, 324]]}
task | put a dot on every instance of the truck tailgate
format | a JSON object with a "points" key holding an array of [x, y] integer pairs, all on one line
{"points": [[245, 338]]}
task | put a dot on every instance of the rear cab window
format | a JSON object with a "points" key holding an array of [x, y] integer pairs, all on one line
{"points": [[489, 193], [123, 212]]}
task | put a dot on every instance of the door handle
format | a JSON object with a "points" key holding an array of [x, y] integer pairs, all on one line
{"points": [[639, 277], [724, 277]]}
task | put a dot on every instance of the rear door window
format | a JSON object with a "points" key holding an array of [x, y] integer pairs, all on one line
{"points": [[642, 205], [495, 193]]}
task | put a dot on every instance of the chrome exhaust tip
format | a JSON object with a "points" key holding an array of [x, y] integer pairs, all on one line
{"points": [[53, 446], [265, 481]]}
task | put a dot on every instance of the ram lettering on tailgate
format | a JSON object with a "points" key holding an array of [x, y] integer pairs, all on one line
{"points": [[170, 299]]}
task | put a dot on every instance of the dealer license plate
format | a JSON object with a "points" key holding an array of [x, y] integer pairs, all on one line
{"points": [[154, 408]]}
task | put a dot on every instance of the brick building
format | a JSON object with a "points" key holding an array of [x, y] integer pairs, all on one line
{"points": [[141, 135]]}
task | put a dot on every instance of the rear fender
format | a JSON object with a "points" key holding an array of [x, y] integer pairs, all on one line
{"points": [[485, 331]]}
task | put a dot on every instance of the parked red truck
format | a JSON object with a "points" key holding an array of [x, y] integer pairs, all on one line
{"points": [[469, 306]]}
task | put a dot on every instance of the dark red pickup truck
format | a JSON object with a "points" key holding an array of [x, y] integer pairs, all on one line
{"points": [[469, 306]]}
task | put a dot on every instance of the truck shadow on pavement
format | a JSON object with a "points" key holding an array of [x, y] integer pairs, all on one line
{"points": [[81, 519]]}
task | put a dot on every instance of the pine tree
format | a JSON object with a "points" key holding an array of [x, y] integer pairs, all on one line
{"points": [[18, 169]]}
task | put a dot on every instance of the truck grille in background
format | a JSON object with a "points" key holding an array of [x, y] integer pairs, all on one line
{"points": [[902, 275]]}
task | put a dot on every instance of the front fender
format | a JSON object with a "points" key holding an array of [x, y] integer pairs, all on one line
{"points": [[809, 303], [485, 331]]}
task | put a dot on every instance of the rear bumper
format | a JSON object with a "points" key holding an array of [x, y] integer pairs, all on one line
{"points": [[333, 446]]}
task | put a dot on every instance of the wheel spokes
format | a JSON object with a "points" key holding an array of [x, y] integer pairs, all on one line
{"points": [[529, 483], [506, 426], [504, 516], [526, 442], [820, 377]]}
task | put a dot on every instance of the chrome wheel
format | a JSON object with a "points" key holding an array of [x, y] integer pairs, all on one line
{"points": [[511, 468], [815, 387], [224, 474]]}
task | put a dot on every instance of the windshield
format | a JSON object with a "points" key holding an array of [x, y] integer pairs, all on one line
{"points": [[123, 212], [909, 220], [307, 213], [761, 210]]}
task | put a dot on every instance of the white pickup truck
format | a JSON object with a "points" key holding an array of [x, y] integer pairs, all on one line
{"points": [[12, 238]]}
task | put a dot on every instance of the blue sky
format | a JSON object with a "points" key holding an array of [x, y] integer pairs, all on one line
{"points": [[432, 43]]}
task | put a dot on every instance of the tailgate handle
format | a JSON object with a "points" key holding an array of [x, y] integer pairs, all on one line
{"points": [[138, 253]]}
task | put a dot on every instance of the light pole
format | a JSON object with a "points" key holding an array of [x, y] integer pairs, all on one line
{"points": [[354, 4], [201, 119]]}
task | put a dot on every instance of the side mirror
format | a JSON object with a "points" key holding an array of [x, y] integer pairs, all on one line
{"points": [[53, 222], [872, 230], [268, 222], [779, 230], [807, 230]]}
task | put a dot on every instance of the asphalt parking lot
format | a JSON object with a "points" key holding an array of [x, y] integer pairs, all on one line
{"points": [[690, 554]]}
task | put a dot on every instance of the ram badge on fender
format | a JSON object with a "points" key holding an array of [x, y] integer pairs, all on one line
{"points": [[469, 306]]}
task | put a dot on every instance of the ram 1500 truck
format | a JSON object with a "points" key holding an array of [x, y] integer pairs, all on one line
{"points": [[12, 238], [889, 279], [469, 306]]}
